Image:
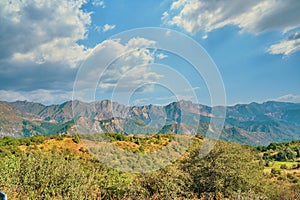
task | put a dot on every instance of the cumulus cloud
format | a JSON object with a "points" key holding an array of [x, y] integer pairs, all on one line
{"points": [[39, 49], [287, 46], [41, 30], [108, 27], [130, 69], [138, 42], [251, 16], [116, 65], [289, 98]]}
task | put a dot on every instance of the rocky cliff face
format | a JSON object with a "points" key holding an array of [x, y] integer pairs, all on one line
{"points": [[245, 123]]}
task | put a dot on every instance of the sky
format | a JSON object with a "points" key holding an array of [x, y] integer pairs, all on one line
{"points": [[54, 51]]}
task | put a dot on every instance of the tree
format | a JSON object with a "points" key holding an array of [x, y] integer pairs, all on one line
{"points": [[267, 156], [297, 150], [272, 146], [168, 183], [281, 156], [290, 154], [227, 169], [261, 148]]}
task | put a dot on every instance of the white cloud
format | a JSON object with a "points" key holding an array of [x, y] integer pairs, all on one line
{"points": [[161, 56], [139, 42], [289, 98], [43, 31], [177, 4], [58, 50], [41, 96], [108, 27], [287, 46], [140, 102], [114, 65], [98, 3], [104, 28], [130, 70], [39, 52], [251, 16], [165, 16]]}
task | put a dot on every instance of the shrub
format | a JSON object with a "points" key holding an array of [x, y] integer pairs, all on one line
{"points": [[76, 139], [283, 166], [228, 168], [275, 171]]}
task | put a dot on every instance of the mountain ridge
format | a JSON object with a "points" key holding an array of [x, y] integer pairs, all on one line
{"points": [[254, 123]]}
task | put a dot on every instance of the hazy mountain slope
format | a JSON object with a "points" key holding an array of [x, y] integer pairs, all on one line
{"points": [[288, 112], [27, 107], [10, 120]]}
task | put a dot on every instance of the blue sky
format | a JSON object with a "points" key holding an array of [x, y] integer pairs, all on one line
{"points": [[255, 46]]}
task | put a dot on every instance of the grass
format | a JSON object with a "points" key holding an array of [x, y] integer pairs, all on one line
{"points": [[289, 168], [278, 164]]}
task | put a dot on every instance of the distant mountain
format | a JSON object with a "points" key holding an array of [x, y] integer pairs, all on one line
{"points": [[10, 120], [288, 112], [252, 123], [27, 107]]}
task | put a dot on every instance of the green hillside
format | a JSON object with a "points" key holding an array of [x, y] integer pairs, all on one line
{"points": [[60, 167]]}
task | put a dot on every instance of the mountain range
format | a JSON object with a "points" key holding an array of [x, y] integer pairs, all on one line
{"points": [[253, 124]]}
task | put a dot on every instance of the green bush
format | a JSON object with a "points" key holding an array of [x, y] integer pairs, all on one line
{"points": [[76, 139], [283, 166], [275, 171]]}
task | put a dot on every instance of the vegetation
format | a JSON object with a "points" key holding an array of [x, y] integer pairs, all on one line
{"points": [[282, 166], [76, 139], [60, 167], [31, 128]]}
